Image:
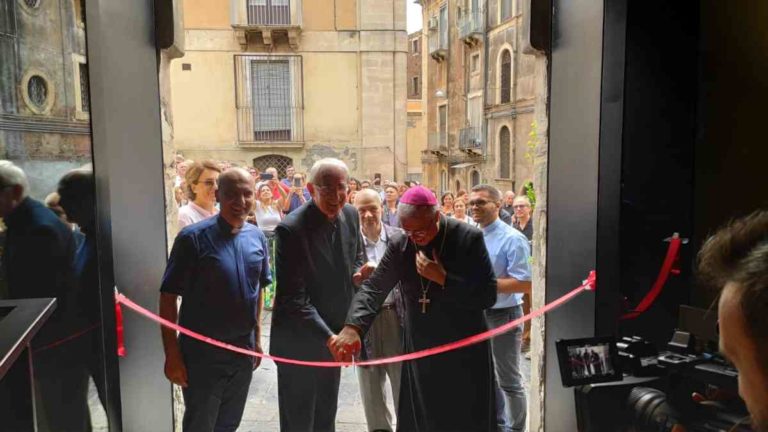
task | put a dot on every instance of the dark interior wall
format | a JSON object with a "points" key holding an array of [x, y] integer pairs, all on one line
{"points": [[659, 122], [731, 149], [693, 150]]}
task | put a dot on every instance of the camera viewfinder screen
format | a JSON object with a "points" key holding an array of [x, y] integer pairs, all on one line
{"points": [[590, 361]]}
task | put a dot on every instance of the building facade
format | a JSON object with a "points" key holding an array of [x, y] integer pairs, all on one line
{"points": [[416, 139], [510, 98], [287, 82], [479, 104], [44, 103]]}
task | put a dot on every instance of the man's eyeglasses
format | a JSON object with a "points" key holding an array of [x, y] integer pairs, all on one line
{"points": [[477, 203], [329, 189], [519, 206]]}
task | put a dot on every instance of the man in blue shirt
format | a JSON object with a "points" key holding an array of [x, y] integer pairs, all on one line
{"points": [[509, 252], [218, 266]]}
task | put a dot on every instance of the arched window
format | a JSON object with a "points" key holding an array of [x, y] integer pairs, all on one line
{"points": [[504, 153], [475, 176], [278, 161], [505, 76]]}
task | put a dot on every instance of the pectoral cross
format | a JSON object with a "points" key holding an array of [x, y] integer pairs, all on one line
{"points": [[424, 302]]}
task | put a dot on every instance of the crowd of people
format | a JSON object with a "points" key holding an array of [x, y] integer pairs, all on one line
{"points": [[196, 184], [395, 270], [404, 269]]}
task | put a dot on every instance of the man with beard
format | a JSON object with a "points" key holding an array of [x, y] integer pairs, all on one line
{"points": [[447, 282], [318, 252]]}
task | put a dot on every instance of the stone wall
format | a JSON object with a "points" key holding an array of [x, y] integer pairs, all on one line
{"points": [[354, 87], [413, 66]]}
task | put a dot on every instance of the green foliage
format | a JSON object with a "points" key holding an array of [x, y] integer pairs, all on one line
{"points": [[529, 191], [533, 141]]}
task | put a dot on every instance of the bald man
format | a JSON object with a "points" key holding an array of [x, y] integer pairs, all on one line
{"points": [[218, 266], [384, 339]]}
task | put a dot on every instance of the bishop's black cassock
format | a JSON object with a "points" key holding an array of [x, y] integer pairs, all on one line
{"points": [[453, 391]]}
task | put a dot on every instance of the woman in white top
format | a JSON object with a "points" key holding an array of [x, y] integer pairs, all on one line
{"points": [[268, 211], [200, 184], [460, 212]]}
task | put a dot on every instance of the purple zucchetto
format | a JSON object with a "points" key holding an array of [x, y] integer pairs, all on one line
{"points": [[419, 196]]}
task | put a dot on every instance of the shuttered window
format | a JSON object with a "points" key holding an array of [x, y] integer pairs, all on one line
{"points": [[271, 92], [269, 98]]}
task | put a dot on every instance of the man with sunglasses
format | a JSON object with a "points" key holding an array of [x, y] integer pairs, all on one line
{"points": [[446, 281]]}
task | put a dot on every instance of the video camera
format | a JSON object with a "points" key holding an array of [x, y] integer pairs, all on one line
{"points": [[629, 385]]}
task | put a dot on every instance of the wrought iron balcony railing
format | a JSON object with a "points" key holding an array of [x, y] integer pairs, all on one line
{"points": [[438, 44], [437, 143], [471, 140], [266, 17], [471, 26]]}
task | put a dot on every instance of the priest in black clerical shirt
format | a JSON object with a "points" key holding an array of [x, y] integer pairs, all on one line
{"points": [[446, 281]]}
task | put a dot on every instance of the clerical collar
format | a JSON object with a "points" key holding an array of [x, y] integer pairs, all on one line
{"points": [[493, 225], [227, 228]]}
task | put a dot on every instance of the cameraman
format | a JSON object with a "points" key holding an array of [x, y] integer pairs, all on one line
{"points": [[736, 260]]}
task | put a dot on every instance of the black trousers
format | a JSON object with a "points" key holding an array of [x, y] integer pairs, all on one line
{"points": [[307, 398], [217, 387]]}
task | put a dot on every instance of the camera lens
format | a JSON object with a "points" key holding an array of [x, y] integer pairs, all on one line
{"points": [[650, 410]]}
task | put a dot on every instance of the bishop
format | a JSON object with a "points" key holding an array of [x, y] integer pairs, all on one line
{"points": [[446, 281]]}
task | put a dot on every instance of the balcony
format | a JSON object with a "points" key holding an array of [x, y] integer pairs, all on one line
{"points": [[438, 44], [437, 144], [471, 27], [471, 141], [268, 18]]}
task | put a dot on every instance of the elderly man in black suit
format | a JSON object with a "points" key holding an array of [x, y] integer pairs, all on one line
{"points": [[319, 251]]}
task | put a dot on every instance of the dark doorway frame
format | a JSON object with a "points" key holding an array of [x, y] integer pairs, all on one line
{"points": [[128, 167]]}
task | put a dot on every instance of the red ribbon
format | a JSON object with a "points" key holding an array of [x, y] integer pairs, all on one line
{"points": [[68, 338], [119, 329], [587, 285], [671, 265]]}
